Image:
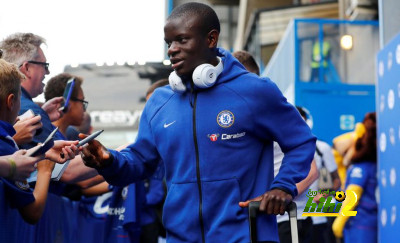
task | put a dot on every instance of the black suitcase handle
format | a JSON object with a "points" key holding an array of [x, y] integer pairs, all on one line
{"points": [[291, 208]]}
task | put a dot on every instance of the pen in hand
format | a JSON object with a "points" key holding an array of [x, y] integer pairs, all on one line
{"points": [[85, 141]]}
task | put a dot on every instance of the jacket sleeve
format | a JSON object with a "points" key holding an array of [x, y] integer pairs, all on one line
{"points": [[137, 161], [281, 122]]}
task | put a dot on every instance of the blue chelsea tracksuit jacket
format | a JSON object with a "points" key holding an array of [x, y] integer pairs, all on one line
{"points": [[42, 133], [217, 147]]}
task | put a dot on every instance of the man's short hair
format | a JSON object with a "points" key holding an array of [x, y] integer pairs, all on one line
{"points": [[20, 47], [247, 60], [56, 85], [10, 80], [208, 17], [157, 84]]}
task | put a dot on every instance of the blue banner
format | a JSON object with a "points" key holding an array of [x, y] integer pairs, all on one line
{"points": [[388, 134]]}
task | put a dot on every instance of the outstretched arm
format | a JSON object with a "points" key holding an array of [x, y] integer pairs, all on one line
{"points": [[134, 163], [97, 189], [33, 211], [62, 151], [17, 166], [77, 171]]}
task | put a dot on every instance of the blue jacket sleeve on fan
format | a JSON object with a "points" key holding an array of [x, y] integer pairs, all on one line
{"points": [[16, 194], [41, 134], [17, 197]]}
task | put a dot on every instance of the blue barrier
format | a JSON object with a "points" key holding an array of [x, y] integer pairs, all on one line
{"points": [[63, 221]]}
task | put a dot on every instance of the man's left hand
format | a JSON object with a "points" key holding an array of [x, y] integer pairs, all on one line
{"points": [[272, 202], [52, 106]]}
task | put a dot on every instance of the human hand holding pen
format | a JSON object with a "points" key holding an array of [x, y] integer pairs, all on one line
{"points": [[63, 151], [95, 155], [85, 140]]}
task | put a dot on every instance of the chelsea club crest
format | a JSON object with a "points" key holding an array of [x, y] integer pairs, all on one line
{"points": [[225, 119]]}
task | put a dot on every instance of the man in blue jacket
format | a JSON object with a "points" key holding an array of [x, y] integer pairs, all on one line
{"points": [[213, 127], [24, 50]]}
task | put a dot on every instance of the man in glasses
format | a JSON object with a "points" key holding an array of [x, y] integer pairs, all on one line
{"points": [[24, 50]]}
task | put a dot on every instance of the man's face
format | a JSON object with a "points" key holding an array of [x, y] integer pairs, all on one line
{"points": [[76, 110], [34, 84], [188, 47]]}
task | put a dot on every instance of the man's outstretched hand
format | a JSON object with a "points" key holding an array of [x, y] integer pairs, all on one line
{"points": [[272, 202], [62, 151], [95, 155]]}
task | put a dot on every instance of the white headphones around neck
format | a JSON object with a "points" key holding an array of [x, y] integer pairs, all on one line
{"points": [[204, 76]]}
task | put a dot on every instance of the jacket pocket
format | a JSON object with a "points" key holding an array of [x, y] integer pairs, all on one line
{"points": [[224, 220], [181, 213]]}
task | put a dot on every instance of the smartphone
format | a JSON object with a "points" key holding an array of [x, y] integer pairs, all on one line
{"points": [[27, 114], [89, 138], [67, 94], [44, 147]]}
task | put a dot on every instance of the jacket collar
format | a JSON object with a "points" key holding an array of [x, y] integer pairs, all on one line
{"points": [[6, 129], [25, 93]]}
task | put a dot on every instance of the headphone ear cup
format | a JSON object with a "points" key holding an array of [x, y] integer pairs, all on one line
{"points": [[176, 83], [204, 76]]}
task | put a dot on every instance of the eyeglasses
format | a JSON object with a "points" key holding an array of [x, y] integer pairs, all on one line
{"points": [[44, 64], [84, 102]]}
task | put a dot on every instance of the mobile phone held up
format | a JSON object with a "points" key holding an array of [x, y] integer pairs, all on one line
{"points": [[67, 94], [28, 114], [44, 147]]}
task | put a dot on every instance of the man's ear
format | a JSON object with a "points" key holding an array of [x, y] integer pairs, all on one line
{"points": [[212, 38], [25, 70], [10, 101]]}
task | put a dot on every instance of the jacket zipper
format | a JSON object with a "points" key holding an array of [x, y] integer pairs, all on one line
{"points": [[196, 147]]}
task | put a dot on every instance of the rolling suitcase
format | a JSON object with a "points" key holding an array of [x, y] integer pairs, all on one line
{"points": [[292, 211]]}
